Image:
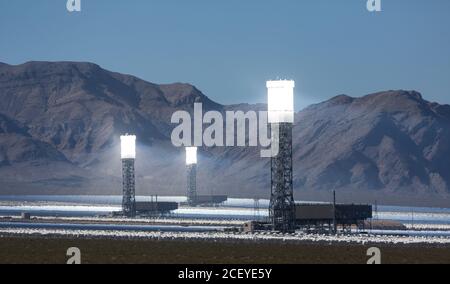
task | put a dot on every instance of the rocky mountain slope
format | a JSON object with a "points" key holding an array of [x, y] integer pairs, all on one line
{"points": [[60, 123]]}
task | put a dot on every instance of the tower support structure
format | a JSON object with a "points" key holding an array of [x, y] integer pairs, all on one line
{"points": [[129, 195], [191, 193], [282, 205]]}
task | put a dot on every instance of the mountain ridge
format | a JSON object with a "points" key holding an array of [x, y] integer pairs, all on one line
{"points": [[388, 142]]}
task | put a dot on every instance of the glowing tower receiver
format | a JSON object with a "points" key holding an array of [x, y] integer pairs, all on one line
{"points": [[191, 171], [128, 155], [191, 155], [280, 101], [128, 146], [281, 114]]}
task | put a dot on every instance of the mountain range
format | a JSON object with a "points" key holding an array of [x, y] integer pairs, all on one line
{"points": [[60, 124]]}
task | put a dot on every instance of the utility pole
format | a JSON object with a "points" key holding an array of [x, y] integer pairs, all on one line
{"points": [[334, 213]]}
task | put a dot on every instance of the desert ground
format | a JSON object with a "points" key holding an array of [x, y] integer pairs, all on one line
{"points": [[48, 250]]}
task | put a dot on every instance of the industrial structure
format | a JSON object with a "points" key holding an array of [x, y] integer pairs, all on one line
{"points": [[321, 218], [328, 217], [193, 199], [281, 118], [284, 214], [210, 200], [191, 174], [155, 208], [128, 156]]}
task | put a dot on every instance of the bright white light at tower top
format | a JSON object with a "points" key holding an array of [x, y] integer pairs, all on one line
{"points": [[280, 96], [128, 146], [191, 155]]}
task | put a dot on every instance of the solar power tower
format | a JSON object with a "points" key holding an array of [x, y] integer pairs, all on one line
{"points": [[128, 156], [281, 116], [191, 171]]}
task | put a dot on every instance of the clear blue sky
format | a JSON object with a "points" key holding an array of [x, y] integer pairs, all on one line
{"points": [[229, 48]]}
